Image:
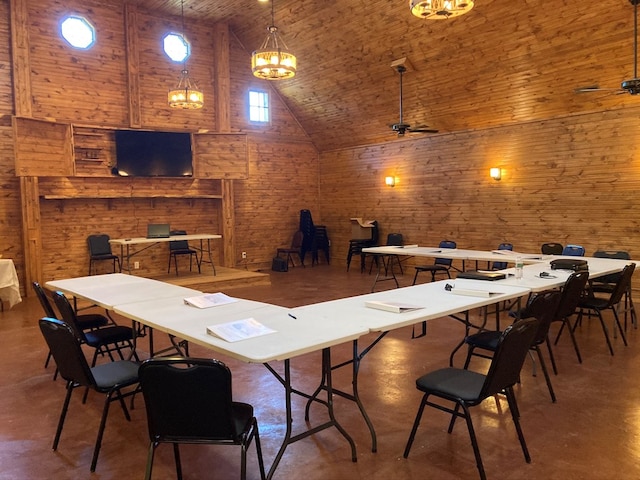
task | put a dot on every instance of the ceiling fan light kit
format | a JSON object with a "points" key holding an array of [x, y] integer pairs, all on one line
{"points": [[440, 9]]}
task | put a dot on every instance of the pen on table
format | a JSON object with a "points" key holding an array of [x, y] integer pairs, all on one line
{"points": [[293, 316]]}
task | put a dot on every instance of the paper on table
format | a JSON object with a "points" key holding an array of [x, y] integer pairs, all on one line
{"points": [[209, 300], [239, 330], [395, 307]]}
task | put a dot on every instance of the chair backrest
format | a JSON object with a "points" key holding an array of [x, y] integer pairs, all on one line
{"points": [[188, 398], [543, 307], [573, 250], [619, 254], [445, 261], [178, 244], [502, 265], [552, 248], [99, 244], [513, 346], [44, 301], [395, 239], [572, 290], [68, 314], [623, 284], [298, 239], [66, 351]]}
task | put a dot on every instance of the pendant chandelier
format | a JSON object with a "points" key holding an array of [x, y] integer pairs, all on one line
{"points": [[273, 60], [186, 95], [440, 9]]}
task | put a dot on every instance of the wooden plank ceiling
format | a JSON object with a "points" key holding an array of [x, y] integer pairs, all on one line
{"points": [[504, 62]]}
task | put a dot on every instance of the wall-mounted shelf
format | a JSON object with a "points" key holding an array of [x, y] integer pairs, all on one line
{"points": [[113, 197]]}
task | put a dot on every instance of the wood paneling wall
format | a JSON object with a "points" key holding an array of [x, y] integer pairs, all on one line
{"points": [[122, 82], [568, 180]]}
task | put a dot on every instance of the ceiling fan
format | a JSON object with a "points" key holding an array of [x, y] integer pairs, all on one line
{"points": [[631, 86], [401, 128]]}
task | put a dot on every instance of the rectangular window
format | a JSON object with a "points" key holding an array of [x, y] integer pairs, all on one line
{"points": [[258, 106]]}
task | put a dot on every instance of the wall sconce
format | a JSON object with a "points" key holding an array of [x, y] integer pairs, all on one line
{"points": [[390, 181], [495, 173]]}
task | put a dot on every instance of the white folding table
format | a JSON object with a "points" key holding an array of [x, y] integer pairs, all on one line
{"points": [[161, 306], [126, 244]]}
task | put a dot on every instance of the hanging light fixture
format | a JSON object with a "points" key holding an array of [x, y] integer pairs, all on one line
{"points": [[273, 60], [186, 95], [440, 9]]}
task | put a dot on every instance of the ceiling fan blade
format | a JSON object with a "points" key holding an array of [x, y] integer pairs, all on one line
{"points": [[423, 129], [595, 88]]}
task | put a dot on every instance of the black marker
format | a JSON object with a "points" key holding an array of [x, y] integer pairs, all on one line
{"points": [[294, 317]]}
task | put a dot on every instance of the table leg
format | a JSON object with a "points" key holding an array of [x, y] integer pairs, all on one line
{"points": [[289, 391]]}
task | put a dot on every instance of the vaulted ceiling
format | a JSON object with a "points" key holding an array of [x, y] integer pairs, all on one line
{"points": [[504, 62]]}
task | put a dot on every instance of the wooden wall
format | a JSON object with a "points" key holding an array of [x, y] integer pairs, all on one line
{"points": [[568, 180], [122, 82]]}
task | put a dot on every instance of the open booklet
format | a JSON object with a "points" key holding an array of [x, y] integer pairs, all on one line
{"points": [[239, 330], [396, 307], [209, 300]]}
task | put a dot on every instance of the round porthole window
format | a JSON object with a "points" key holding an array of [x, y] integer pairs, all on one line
{"points": [[78, 32], [176, 47]]}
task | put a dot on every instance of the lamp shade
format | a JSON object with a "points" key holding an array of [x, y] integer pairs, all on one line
{"points": [[440, 9]]}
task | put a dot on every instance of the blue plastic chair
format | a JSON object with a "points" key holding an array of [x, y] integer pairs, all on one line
{"points": [[502, 265], [573, 250]]}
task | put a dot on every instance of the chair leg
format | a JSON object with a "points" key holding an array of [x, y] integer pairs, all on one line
{"points": [[415, 277], [103, 422], [150, 456], [515, 415], [565, 321], [606, 332], [63, 415], [259, 449], [414, 429], [543, 367], [474, 441], [617, 320], [176, 456], [551, 356]]}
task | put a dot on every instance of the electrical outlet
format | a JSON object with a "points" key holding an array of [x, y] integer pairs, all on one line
{"points": [[244, 255], [136, 265]]}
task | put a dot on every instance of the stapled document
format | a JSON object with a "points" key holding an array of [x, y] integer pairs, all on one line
{"points": [[209, 300], [239, 330]]}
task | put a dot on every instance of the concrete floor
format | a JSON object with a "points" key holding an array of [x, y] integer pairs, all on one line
{"points": [[592, 432]]}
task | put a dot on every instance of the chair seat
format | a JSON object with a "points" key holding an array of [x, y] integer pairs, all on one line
{"points": [[594, 303], [432, 268], [89, 321], [454, 383], [104, 256], [122, 373], [487, 340], [183, 251], [108, 335]]}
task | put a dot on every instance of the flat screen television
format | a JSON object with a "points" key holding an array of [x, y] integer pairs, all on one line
{"points": [[142, 153]]}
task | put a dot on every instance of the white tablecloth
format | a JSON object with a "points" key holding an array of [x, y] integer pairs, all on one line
{"points": [[9, 285]]}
